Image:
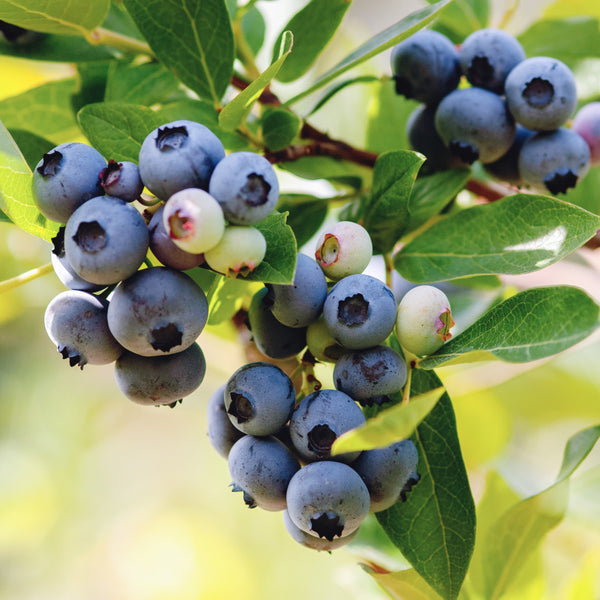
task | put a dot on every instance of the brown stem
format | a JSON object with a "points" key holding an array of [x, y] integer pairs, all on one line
{"points": [[488, 190]]}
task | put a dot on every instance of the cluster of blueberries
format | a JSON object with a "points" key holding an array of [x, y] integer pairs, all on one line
{"points": [[147, 320], [512, 118], [278, 449]]}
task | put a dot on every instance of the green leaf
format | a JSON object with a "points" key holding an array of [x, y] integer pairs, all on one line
{"points": [[4, 218], [117, 130], [92, 78], [313, 27], [432, 193], [405, 585], [306, 214], [435, 528], [279, 128], [338, 87], [386, 212], [584, 193], [279, 263], [377, 44], [572, 8], [193, 38], [45, 110], [16, 195], [326, 167], [226, 299], [55, 16], [32, 147], [388, 426], [522, 528], [555, 39], [145, 84], [463, 17], [239, 108], [514, 235], [56, 48], [253, 29], [530, 325]]}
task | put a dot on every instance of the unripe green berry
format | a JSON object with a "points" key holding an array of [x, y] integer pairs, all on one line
{"points": [[321, 343], [239, 252], [424, 320]]}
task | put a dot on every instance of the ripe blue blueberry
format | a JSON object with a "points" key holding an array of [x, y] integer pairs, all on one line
{"points": [[179, 155], [106, 240], [261, 468], [541, 93], [157, 311], [220, 430], [506, 168], [359, 311], [122, 179], [299, 304], [487, 56], [320, 544], [425, 66], [319, 419], [554, 161], [246, 187], [259, 398], [157, 380], [65, 178], [475, 125], [327, 499]]}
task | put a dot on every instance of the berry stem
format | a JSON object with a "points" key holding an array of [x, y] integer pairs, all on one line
{"points": [[23, 278], [119, 41], [389, 268]]}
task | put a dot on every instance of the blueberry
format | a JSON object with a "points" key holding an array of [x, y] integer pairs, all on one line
{"points": [[76, 323], [475, 125], [424, 320], [261, 468], [65, 178], [122, 179], [319, 419], [587, 124], [321, 343], [425, 66], [344, 249], [165, 250], [240, 250], [388, 473], [487, 56], [179, 155], [299, 304], [157, 380], [359, 311], [554, 161], [259, 398], [106, 240], [271, 337], [327, 499], [541, 93], [311, 541], [506, 168], [375, 371], [221, 432], [157, 311], [246, 187]]}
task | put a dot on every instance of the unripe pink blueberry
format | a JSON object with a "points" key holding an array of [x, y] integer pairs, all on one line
{"points": [[194, 220], [424, 320], [344, 249], [240, 251], [587, 124]]}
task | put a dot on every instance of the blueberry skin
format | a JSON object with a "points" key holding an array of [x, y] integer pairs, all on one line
{"points": [[65, 178], [327, 499], [541, 93], [157, 311], [506, 168], [259, 398], [475, 125], [425, 67], [315, 543], [271, 337], [359, 311], [554, 161], [261, 468], [221, 432], [388, 472], [299, 304], [165, 250], [487, 56], [157, 380], [246, 187], [375, 371], [179, 155], [319, 419], [122, 179], [587, 124], [76, 322], [106, 240]]}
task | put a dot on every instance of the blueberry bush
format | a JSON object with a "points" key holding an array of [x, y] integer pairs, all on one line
{"points": [[166, 173]]}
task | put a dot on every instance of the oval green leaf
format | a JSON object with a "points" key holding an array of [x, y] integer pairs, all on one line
{"points": [[517, 234], [279, 128]]}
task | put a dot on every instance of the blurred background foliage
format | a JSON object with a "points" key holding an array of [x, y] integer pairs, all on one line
{"points": [[102, 498]]}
